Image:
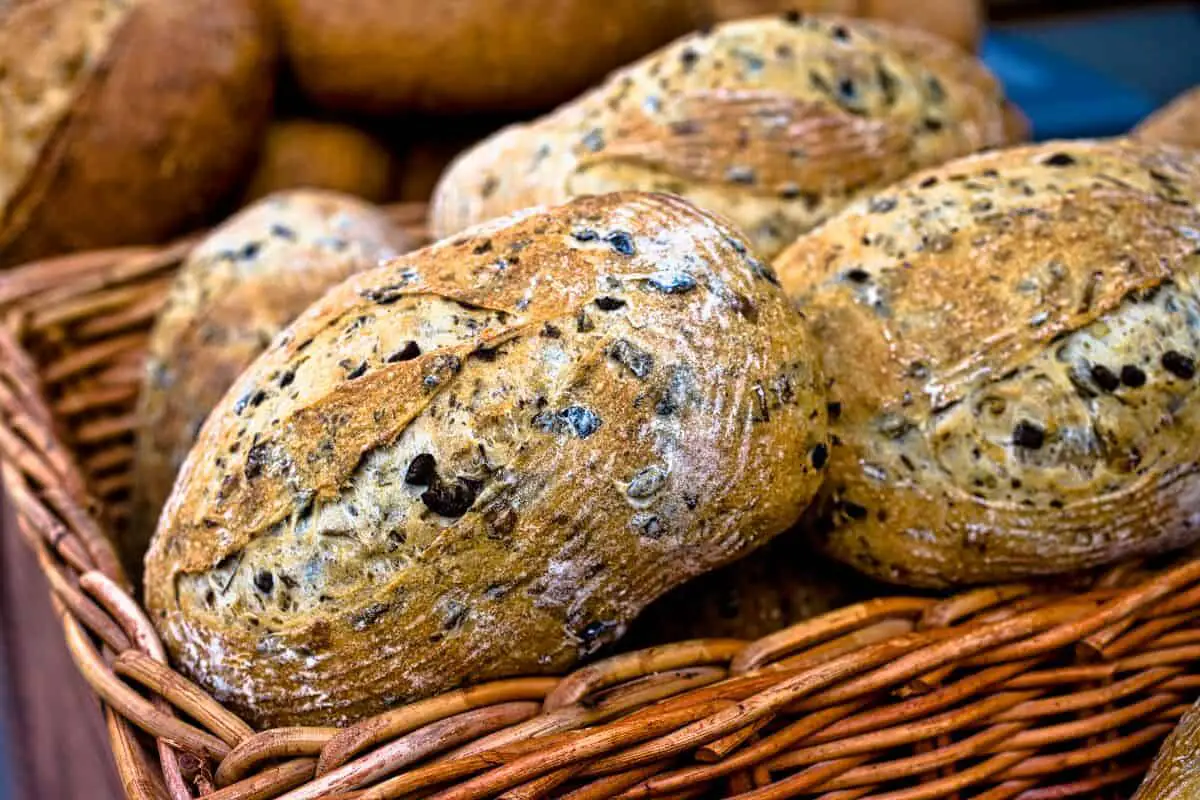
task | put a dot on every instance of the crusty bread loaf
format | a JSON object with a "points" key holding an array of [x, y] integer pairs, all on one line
{"points": [[775, 123], [1175, 773], [1177, 123], [312, 154], [1011, 342], [240, 286], [485, 458], [959, 21], [125, 122], [778, 585], [388, 56]]}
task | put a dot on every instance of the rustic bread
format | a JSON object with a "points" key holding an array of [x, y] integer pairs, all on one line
{"points": [[959, 21], [306, 153], [1010, 341], [1177, 123], [775, 123], [484, 459], [780, 584], [1175, 773], [384, 56], [240, 286], [124, 122]]}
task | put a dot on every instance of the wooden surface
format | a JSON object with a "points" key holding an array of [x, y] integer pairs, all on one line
{"points": [[52, 724]]}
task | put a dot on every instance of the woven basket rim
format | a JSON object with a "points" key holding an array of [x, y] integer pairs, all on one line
{"points": [[1000, 690]]}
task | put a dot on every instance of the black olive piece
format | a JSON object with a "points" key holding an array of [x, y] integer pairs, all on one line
{"points": [[451, 498], [881, 205], [1105, 378], [593, 141], [854, 510], [647, 482], [742, 175], [820, 455], [251, 399], [738, 247], [483, 247], [937, 93], [647, 525], [281, 232], [382, 295], [407, 352], [550, 331], [633, 358], [762, 269], [622, 242], [264, 581], [672, 282], [489, 186], [585, 235], [1059, 160], [1133, 376], [357, 372], [579, 421], [688, 57], [1028, 435], [595, 632], [792, 16], [857, 275], [928, 182], [256, 459], [840, 33], [421, 470], [250, 250], [846, 89], [285, 380], [933, 125], [609, 303], [834, 410], [1179, 365]]}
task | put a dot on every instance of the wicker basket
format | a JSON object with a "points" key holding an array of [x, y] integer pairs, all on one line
{"points": [[1005, 692]]}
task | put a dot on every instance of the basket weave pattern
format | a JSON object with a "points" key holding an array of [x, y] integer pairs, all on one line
{"points": [[1016, 691]]}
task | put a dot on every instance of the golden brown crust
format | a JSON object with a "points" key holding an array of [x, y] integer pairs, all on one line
{"points": [[310, 154], [1177, 123], [485, 459], [160, 129], [1175, 773], [467, 55], [242, 285], [775, 123], [1010, 341]]}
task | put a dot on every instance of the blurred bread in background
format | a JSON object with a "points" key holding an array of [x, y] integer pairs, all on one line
{"points": [[1178, 122], [314, 154], [125, 122]]}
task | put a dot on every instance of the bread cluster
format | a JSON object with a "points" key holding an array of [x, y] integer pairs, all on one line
{"points": [[756, 294]]}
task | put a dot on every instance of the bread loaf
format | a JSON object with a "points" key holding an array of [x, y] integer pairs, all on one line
{"points": [[959, 21], [1177, 123], [240, 286], [1010, 341], [125, 122], [388, 56], [484, 459], [1175, 773], [775, 123], [311, 154]]}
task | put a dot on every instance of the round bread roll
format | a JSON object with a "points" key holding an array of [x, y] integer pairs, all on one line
{"points": [[381, 56], [239, 287], [484, 459], [959, 21], [780, 584], [1177, 123], [775, 123], [125, 122], [312, 154], [1011, 344], [1175, 773]]}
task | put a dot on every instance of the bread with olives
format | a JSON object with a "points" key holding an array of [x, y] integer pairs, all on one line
{"points": [[239, 287], [774, 122], [485, 458], [1011, 343]]}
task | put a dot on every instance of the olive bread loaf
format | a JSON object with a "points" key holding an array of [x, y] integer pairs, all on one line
{"points": [[774, 122], [1011, 343], [239, 287], [485, 458]]}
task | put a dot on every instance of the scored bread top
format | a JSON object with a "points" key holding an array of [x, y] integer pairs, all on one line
{"points": [[49, 51], [237, 289], [505, 444], [1010, 341], [774, 122]]}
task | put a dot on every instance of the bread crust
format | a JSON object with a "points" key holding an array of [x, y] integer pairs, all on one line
{"points": [[141, 121], [241, 285], [1010, 343], [775, 123], [489, 456], [313, 154], [1177, 123], [1175, 773]]}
